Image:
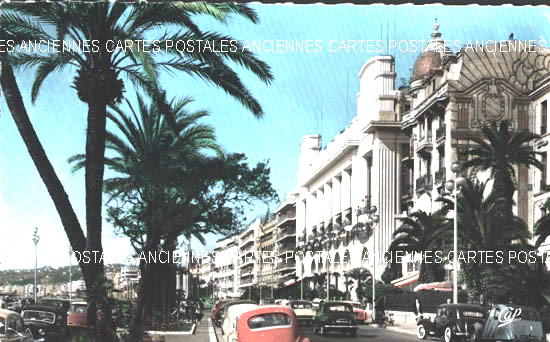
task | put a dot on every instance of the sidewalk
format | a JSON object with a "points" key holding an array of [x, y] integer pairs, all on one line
{"points": [[204, 332]]}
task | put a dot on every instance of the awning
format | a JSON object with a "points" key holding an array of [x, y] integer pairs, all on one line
{"points": [[406, 280], [290, 282], [438, 286]]}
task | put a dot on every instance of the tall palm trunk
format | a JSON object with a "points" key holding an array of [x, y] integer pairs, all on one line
{"points": [[92, 272], [40, 159]]}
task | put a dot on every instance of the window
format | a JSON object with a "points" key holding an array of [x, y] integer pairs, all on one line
{"points": [[462, 115], [543, 176], [543, 116], [523, 117], [41, 316], [340, 308], [269, 320], [301, 305]]}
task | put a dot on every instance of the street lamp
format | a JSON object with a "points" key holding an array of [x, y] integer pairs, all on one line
{"points": [[454, 188], [71, 275], [35, 239]]}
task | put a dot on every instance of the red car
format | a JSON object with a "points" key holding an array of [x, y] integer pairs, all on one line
{"points": [[269, 324], [78, 315], [359, 312]]}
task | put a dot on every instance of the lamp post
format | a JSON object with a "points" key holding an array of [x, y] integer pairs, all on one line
{"points": [[70, 275], [454, 187], [35, 239], [372, 221]]}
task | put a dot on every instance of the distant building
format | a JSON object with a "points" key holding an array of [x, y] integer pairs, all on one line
{"points": [[226, 264]]}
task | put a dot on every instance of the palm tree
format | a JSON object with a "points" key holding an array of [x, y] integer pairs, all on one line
{"points": [[360, 275], [423, 232], [500, 150], [542, 226], [486, 226], [149, 155], [98, 84]]}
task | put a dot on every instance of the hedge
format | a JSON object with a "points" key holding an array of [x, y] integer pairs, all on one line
{"points": [[404, 301]]}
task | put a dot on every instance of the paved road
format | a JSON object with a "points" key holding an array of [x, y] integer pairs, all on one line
{"points": [[364, 334]]}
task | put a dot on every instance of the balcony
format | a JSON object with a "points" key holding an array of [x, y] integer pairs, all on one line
{"points": [[424, 144], [288, 217], [440, 176], [283, 234], [424, 183], [440, 134]]}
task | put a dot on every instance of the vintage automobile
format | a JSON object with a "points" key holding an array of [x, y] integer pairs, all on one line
{"points": [[215, 310], [281, 301], [303, 309], [12, 327], [230, 321], [220, 314], [78, 315], [335, 316], [63, 304], [360, 312], [273, 323], [453, 321], [507, 322], [46, 322]]}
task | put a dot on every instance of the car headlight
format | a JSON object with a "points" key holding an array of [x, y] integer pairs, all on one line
{"points": [[41, 332]]}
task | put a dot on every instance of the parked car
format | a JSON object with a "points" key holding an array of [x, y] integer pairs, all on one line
{"points": [[453, 321], [220, 314], [303, 309], [12, 327], [281, 301], [335, 316], [215, 310], [360, 312], [512, 323], [272, 323], [207, 303], [78, 315], [46, 322], [229, 325], [63, 304]]}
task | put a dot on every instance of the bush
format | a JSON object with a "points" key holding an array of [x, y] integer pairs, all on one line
{"points": [[430, 300]]}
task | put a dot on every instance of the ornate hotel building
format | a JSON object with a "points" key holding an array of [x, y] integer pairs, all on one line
{"points": [[285, 239], [452, 96], [360, 166], [398, 151], [541, 188]]}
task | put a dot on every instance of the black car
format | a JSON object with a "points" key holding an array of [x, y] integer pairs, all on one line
{"points": [[510, 323], [46, 322], [335, 316], [453, 321]]}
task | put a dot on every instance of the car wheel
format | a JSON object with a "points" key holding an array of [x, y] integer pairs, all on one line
{"points": [[421, 332], [323, 330], [448, 335], [353, 333]]}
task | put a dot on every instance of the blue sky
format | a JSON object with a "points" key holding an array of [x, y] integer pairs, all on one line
{"points": [[307, 96]]}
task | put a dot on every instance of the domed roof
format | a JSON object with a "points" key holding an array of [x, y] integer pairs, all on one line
{"points": [[426, 62], [432, 56]]}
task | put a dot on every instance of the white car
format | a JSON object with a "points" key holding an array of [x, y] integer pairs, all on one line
{"points": [[303, 309], [12, 327], [229, 325]]}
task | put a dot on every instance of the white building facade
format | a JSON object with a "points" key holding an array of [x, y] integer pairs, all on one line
{"points": [[360, 166]]}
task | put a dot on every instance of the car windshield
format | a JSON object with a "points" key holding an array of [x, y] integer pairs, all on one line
{"points": [[80, 309], [339, 308], [42, 316], [301, 305], [57, 303], [357, 305], [268, 320], [473, 314]]}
